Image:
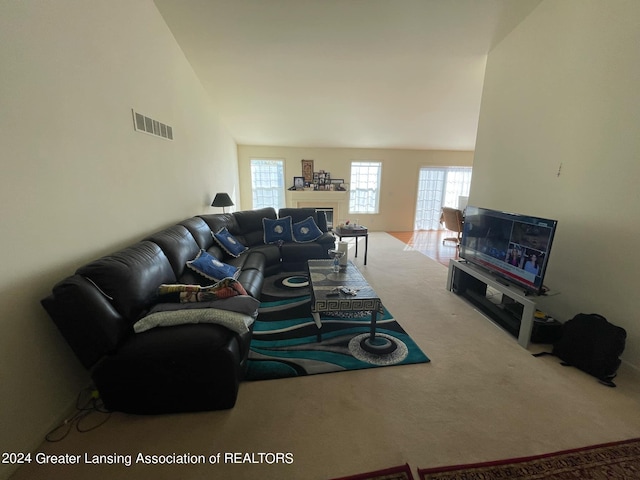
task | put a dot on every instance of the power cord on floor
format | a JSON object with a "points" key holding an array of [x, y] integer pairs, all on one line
{"points": [[90, 414]]}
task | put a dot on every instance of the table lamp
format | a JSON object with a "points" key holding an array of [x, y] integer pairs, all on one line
{"points": [[222, 200]]}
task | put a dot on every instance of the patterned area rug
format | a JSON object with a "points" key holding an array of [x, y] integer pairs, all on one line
{"points": [[609, 461], [285, 342], [285, 285], [396, 473]]}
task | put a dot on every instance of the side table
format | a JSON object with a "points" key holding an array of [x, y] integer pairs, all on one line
{"points": [[356, 232]]}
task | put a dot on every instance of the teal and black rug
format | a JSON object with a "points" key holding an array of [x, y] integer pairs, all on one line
{"points": [[285, 342]]}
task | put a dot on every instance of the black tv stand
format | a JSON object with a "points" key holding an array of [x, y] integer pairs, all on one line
{"points": [[515, 313], [502, 282]]}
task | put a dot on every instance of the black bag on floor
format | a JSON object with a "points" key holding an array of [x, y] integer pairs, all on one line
{"points": [[592, 344]]}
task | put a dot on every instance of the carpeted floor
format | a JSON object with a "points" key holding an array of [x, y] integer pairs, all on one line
{"points": [[610, 461], [285, 342], [430, 243]]}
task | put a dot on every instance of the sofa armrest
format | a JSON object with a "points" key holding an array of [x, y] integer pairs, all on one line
{"points": [[86, 319]]}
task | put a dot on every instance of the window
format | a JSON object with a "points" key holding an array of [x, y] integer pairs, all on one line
{"points": [[364, 195], [267, 183], [439, 187]]}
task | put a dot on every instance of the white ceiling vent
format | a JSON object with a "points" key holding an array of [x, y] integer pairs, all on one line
{"points": [[144, 124]]}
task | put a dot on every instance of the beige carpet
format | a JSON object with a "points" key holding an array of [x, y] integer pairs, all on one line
{"points": [[481, 398]]}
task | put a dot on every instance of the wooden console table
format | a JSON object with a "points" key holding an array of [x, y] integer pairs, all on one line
{"points": [[356, 232]]}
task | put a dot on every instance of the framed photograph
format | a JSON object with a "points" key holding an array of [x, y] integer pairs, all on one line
{"points": [[307, 170], [337, 181], [298, 182]]}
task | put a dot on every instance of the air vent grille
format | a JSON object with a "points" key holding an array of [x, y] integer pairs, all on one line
{"points": [[144, 124]]}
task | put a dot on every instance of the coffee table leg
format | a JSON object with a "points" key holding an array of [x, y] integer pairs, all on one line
{"points": [[316, 319], [374, 319], [377, 345]]}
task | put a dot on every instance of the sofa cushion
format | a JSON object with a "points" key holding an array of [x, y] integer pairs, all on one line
{"points": [[130, 277], [277, 231], [252, 281], [178, 245], [306, 231], [251, 220], [249, 224], [200, 231], [299, 214], [271, 254], [229, 243], [210, 267], [191, 277], [301, 252]]}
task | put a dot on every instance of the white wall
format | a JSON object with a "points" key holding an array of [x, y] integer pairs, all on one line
{"points": [[77, 181], [399, 181], [558, 137]]}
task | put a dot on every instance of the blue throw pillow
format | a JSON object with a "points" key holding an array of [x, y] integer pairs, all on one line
{"points": [[229, 243], [306, 231], [210, 267], [279, 230]]}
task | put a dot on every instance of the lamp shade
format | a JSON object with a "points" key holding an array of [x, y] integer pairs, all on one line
{"points": [[222, 200]]}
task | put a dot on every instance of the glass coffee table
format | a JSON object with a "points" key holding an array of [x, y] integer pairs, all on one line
{"points": [[326, 296]]}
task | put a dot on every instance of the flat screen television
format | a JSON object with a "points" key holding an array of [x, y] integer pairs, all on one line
{"points": [[511, 246]]}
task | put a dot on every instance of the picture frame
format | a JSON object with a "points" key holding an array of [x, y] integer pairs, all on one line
{"points": [[307, 170], [337, 181], [298, 183], [323, 178]]}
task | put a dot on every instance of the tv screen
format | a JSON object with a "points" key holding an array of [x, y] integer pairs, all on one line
{"points": [[513, 246]]}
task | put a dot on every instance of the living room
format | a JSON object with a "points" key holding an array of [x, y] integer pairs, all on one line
{"points": [[556, 138]]}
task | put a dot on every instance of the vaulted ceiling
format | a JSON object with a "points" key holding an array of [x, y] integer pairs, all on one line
{"points": [[344, 73]]}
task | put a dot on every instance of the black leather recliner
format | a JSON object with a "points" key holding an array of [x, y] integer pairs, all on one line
{"points": [[174, 369]]}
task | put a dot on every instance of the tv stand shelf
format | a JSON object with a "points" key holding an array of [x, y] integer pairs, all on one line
{"points": [[516, 311]]}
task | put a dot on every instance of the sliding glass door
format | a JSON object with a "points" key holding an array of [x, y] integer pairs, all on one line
{"points": [[439, 187]]}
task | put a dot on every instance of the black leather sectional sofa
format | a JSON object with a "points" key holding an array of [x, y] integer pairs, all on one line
{"points": [[189, 367]]}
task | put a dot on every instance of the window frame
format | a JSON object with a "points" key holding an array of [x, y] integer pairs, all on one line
{"points": [[279, 188], [367, 193]]}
